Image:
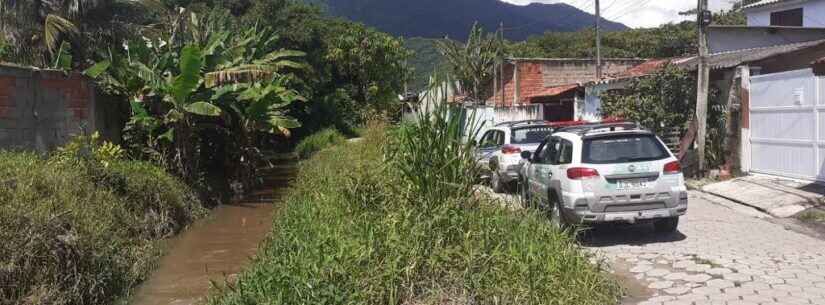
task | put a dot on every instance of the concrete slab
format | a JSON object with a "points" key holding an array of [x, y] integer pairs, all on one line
{"points": [[776, 196]]}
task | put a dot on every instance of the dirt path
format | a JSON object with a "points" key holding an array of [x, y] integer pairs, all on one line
{"points": [[214, 249]]}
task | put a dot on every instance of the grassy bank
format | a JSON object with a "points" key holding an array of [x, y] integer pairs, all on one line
{"points": [[83, 232], [393, 220], [318, 141]]}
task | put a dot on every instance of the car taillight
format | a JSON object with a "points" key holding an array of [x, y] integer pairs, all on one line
{"points": [[582, 173], [510, 149], [673, 168]]}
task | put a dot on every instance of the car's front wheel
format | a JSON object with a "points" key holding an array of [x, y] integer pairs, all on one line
{"points": [[667, 225]]}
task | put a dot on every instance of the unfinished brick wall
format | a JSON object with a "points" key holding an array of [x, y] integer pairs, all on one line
{"points": [[565, 72], [42, 109], [535, 75]]}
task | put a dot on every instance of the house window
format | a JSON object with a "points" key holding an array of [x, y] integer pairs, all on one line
{"points": [[787, 18]]}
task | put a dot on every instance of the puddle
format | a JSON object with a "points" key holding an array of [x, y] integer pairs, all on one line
{"points": [[212, 249], [635, 291]]}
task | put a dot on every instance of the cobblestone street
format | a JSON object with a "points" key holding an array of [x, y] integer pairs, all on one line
{"points": [[721, 255]]}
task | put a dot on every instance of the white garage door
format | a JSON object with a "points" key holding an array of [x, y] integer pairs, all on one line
{"points": [[787, 138]]}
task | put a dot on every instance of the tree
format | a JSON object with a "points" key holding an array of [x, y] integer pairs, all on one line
{"points": [[667, 100], [200, 80], [659, 102], [36, 29], [472, 63], [369, 63], [668, 40], [734, 16]]}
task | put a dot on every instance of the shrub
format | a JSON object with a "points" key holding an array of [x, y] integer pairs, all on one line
{"points": [[88, 149], [360, 226], [318, 141], [667, 100], [81, 233]]}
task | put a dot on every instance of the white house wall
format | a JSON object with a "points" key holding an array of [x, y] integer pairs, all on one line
{"points": [[727, 39], [813, 13]]}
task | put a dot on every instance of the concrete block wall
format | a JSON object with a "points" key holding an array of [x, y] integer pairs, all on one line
{"points": [[43, 109], [560, 72]]}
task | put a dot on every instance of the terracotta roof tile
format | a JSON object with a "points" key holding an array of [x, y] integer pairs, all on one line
{"points": [[648, 67], [553, 91]]}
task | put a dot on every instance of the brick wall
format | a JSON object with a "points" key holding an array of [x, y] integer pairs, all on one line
{"points": [[536, 75], [42, 109]]}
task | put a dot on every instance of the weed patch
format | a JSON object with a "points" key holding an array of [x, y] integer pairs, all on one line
{"points": [[812, 215], [390, 220], [80, 232], [318, 141]]}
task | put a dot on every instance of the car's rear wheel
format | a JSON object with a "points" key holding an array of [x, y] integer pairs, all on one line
{"points": [[524, 193], [495, 182], [667, 225], [556, 215]]}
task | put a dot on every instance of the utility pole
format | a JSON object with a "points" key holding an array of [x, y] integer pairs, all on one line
{"points": [[501, 66], [598, 41], [495, 79], [702, 21]]}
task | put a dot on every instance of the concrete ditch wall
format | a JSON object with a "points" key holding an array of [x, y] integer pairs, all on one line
{"points": [[43, 109]]}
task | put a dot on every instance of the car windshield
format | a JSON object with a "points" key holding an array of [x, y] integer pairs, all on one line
{"points": [[623, 148], [529, 135]]}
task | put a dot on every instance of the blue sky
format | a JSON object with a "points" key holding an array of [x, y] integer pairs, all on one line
{"points": [[637, 13]]}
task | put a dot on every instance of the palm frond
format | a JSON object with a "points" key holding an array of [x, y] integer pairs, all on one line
{"points": [[240, 74], [277, 55], [55, 27]]}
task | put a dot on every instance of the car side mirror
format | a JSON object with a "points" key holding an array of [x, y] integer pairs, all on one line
{"points": [[526, 155]]}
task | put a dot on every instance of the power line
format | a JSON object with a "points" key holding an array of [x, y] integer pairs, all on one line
{"points": [[623, 8], [610, 5], [632, 9]]}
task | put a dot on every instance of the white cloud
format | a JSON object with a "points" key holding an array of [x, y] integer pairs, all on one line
{"points": [[637, 13]]}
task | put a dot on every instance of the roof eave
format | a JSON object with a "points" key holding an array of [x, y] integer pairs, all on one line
{"points": [[767, 4]]}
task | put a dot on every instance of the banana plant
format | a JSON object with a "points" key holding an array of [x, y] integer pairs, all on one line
{"points": [[236, 84], [260, 106], [176, 91]]}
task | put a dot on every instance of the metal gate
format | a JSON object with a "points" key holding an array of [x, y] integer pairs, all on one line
{"points": [[787, 114]]}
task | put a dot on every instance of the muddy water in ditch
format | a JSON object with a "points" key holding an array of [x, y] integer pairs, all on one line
{"points": [[214, 249]]}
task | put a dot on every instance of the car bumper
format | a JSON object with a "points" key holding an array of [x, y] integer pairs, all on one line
{"points": [[510, 173], [581, 212]]}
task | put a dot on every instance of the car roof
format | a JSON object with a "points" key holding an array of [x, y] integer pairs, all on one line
{"points": [[521, 122], [603, 128], [541, 123]]}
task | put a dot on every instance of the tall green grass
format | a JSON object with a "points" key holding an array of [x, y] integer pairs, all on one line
{"points": [[394, 220], [318, 141], [82, 233]]}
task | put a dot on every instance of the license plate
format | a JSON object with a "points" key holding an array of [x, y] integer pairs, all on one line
{"points": [[633, 216], [631, 184]]}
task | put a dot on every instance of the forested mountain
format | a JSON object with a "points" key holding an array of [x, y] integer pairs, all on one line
{"points": [[452, 18]]}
